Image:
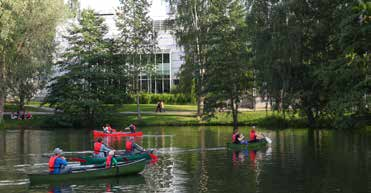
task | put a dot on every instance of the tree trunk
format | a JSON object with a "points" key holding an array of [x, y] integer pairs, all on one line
{"points": [[138, 109], [234, 114], [21, 103], [310, 117], [2, 89]]}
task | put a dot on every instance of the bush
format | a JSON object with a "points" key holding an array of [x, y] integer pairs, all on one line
{"points": [[150, 98]]}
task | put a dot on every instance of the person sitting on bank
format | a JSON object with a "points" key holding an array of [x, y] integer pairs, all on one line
{"points": [[132, 147], [254, 136], [100, 149], [58, 164], [132, 128], [111, 160], [238, 138]]}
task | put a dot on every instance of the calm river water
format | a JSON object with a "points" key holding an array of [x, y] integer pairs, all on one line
{"points": [[194, 159]]}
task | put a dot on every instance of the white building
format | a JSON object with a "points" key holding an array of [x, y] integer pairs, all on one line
{"points": [[168, 58]]}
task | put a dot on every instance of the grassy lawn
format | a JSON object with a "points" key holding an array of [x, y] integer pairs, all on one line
{"points": [[152, 107], [245, 118], [9, 107]]}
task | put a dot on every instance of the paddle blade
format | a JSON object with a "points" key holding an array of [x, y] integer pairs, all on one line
{"points": [[268, 140]]}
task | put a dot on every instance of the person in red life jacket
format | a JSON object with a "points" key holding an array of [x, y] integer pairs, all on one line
{"points": [[132, 128], [100, 148], [111, 160], [132, 147], [58, 164], [108, 129], [238, 138], [254, 136]]}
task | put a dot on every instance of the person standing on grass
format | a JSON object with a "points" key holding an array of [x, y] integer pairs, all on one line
{"points": [[162, 106]]}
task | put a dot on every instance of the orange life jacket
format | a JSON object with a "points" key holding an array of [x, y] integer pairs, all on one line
{"points": [[52, 162], [108, 161], [129, 146], [97, 146]]}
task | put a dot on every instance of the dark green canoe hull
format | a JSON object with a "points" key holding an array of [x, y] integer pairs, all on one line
{"points": [[250, 146], [91, 160], [130, 168]]}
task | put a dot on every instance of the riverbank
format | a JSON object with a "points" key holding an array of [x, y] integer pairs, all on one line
{"points": [[259, 118], [181, 115]]}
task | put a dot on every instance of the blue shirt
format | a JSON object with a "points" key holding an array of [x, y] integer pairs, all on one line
{"points": [[59, 162]]}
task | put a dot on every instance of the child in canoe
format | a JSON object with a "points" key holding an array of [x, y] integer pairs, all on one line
{"points": [[238, 138]]}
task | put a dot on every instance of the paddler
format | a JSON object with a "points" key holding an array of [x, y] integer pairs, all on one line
{"points": [[100, 148], [58, 164], [238, 138], [108, 129], [132, 128], [111, 160], [132, 147], [254, 136]]}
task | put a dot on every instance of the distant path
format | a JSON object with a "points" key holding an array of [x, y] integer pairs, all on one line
{"points": [[50, 111]]}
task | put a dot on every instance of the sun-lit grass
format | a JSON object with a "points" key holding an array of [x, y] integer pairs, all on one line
{"points": [[152, 107]]}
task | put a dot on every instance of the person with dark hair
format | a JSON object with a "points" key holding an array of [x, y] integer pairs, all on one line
{"points": [[238, 138], [100, 149], [158, 108], [132, 128]]}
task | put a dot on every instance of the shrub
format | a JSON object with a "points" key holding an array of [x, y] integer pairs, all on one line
{"points": [[151, 98]]}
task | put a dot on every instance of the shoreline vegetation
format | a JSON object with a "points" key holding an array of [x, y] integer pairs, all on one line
{"points": [[175, 115]]}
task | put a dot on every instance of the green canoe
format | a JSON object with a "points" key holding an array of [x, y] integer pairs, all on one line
{"points": [[88, 160], [250, 146], [121, 169]]}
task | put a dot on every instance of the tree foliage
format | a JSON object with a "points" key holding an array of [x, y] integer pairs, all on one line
{"points": [[228, 75], [136, 41], [26, 45], [92, 74]]}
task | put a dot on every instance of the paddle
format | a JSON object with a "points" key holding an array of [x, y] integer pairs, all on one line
{"points": [[267, 139]]}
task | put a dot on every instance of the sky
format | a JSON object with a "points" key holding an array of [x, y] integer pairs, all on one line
{"points": [[157, 10]]}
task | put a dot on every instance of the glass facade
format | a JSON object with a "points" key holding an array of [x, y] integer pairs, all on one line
{"points": [[160, 81]]}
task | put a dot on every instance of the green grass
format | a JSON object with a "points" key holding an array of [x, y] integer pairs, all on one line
{"points": [[9, 107], [152, 107], [245, 118], [122, 120]]}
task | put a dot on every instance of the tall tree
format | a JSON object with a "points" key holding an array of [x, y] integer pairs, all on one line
{"points": [[24, 36], [137, 41], [90, 78], [191, 27], [228, 71], [33, 49]]}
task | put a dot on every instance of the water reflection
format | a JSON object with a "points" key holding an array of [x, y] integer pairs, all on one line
{"points": [[115, 184], [196, 160]]}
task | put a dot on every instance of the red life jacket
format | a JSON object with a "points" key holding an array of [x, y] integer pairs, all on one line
{"points": [[97, 147], [52, 162], [108, 161], [252, 135], [109, 129], [129, 146], [234, 138]]}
